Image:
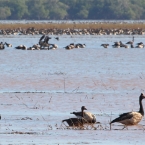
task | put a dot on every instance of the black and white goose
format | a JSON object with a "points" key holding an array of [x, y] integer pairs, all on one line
{"points": [[105, 45], [44, 43], [74, 122], [19, 47], [36, 47], [131, 118], [140, 45], [70, 46], [22, 47], [123, 45], [40, 40], [8, 45], [131, 42], [53, 46], [87, 116], [79, 45], [116, 45], [46, 39]]}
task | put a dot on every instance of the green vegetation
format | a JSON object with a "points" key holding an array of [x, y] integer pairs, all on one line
{"points": [[72, 9]]}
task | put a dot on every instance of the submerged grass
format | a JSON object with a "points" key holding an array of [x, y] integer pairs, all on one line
{"points": [[74, 25]]}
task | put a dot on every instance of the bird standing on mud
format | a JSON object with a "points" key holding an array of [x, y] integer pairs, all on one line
{"points": [[131, 118]]}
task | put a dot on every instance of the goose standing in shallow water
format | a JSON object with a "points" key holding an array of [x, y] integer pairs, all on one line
{"points": [[44, 43], [78, 122], [131, 42], [131, 118], [87, 116], [72, 122]]}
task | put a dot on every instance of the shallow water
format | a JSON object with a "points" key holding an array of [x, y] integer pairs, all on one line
{"points": [[38, 89]]}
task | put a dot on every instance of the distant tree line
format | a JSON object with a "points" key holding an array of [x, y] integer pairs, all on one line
{"points": [[72, 9]]}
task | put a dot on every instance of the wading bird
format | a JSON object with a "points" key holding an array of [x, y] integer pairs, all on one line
{"points": [[131, 118]]}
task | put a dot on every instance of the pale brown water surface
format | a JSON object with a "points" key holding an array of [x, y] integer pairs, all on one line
{"points": [[38, 89]]}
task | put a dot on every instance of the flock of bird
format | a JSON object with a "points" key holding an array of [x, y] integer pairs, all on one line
{"points": [[43, 44], [120, 44], [127, 119], [73, 31]]}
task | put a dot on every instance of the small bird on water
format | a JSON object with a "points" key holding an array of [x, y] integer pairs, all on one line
{"points": [[131, 118]]}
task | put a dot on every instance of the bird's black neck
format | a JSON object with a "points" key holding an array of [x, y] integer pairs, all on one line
{"points": [[82, 112], [141, 110]]}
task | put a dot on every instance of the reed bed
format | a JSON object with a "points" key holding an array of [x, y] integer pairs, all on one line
{"points": [[74, 26]]}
